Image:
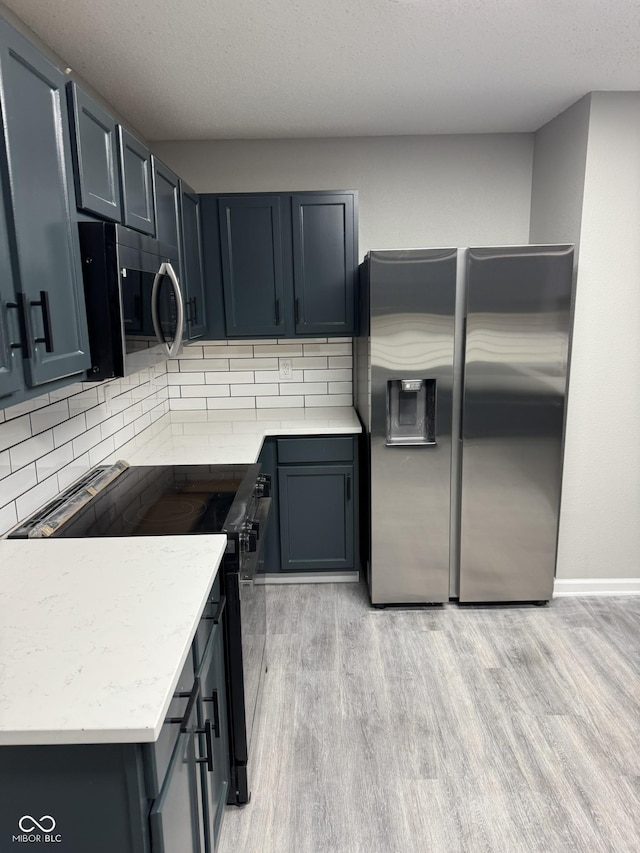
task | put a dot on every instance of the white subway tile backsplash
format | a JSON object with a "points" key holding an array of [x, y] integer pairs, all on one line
{"points": [[328, 349], [253, 364], [224, 351], [226, 378], [328, 400], [69, 430], [35, 497], [27, 406], [188, 405], [231, 402], [98, 453], [17, 484], [288, 388], [54, 461], [204, 364], [50, 416], [310, 362], [8, 517], [28, 451], [86, 441], [5, 464], [282, 350], [73, 470], [252, 390], [47, 443], [11, 432], [339, 361], [205, 390], [249, 373], [279, 402], [186, 378], [190, 351], [327, 375]]}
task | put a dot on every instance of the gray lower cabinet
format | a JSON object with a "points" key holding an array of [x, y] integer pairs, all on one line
{"points": [[316, 494], [161, 797], [95, 156], [137, 183], [50, 320], [192, 263]]}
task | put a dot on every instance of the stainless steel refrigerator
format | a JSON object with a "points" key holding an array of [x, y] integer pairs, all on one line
{"points": [[460, 375]]}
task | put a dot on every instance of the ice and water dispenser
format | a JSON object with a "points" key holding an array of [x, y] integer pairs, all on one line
{"points": [[411, 411]]}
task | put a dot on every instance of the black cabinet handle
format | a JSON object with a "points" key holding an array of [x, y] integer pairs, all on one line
{"points": [[216, 712], [217, 616], [277, 306], [208, 759], [24, 343], [195, 309], [348, 487], [43, 303], [193, 696], [297, 310]]}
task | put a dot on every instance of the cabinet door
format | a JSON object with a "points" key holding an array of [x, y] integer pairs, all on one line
{"points": [[137, 188], [252, 278], [324, 263], [316, 517], [166, 193], [38, 160], [95, 162], [270, 551], [192, 263], [214, 739], [176, 815], [10, 357]]}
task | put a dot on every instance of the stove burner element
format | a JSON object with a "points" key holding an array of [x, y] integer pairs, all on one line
{"points": [[168, 511]]}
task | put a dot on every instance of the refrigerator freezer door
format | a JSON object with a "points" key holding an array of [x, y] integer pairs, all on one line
{"points": [[412, 299], [515, 377]]}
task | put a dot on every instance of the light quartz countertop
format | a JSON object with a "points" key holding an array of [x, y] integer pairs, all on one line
{"points": [[94, 634], [231, 436]]}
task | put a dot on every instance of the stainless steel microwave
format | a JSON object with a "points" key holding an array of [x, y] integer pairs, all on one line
{"points": [[134, 301]]}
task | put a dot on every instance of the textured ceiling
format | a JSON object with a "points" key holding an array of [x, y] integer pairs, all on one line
{"points": [[205, 69]]}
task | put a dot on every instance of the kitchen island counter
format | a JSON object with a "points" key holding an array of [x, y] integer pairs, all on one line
{"points": [[94, 634]]}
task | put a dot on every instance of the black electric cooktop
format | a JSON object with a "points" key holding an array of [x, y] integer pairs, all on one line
{"points": [[158, 501]]}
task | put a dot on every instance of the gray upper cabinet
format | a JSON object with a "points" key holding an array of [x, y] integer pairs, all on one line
{"points": [[95, 162], [36, 156], [285, 265], [324, 263], [137, 185], [251, 255], [166, 194], [192, 262], [10, 355]]}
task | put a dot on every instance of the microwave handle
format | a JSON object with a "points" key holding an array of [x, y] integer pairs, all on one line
{"points": [[167, 269]]}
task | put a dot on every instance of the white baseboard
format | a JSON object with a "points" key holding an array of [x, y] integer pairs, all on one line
{"points": [[596, 586]]}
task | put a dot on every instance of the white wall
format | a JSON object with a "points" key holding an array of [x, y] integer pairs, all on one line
{"points": [[413, 190], [600, 518], [557, 188]]}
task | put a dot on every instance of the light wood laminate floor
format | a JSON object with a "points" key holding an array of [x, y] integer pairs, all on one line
{"points": [[445, 729]]}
